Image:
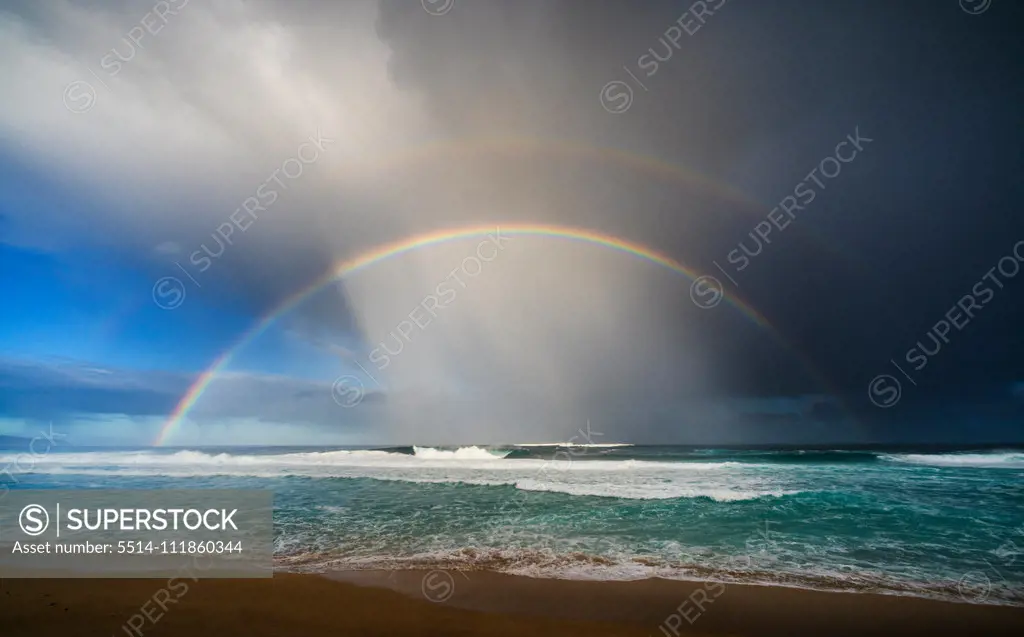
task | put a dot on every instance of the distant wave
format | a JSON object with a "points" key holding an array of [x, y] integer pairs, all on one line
{"points": [[993, 460], [638, 489], [810, 456], [462, 453], [476, 466], [420, 458], [593, 445]]}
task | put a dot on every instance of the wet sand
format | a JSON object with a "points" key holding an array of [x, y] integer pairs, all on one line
{"points": [[475, 603], [668, 606]]}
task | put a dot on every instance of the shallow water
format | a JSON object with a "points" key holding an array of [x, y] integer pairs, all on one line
{"points": [[935, 524]]}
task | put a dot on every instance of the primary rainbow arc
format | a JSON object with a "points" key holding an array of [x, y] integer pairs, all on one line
{"points": [[375, 255]]}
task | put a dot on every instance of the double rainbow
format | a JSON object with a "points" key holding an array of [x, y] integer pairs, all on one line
{"points": [[402, 246]]}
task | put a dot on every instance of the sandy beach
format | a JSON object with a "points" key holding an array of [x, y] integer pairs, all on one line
{"points": [[476, 603]]}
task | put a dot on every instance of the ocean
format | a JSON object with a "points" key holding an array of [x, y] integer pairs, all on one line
{"points": [[941, 524]]}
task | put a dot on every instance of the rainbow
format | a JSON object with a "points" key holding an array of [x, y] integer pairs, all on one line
{"points": [[526, 148], [402, 246]]}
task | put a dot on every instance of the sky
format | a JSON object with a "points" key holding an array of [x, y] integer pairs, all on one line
{"points": [[456, 222]]}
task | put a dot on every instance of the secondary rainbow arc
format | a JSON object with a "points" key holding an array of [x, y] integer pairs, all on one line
{"points": [[493, 147]]}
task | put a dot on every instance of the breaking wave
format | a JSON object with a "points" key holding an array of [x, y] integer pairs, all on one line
{"points": [[462, 453], [995, 460]]}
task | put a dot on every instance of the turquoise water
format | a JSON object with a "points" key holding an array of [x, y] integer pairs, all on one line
{"points": [[947, 525]]}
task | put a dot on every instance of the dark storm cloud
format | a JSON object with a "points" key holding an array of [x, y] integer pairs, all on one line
{"points": [[757, 96]]}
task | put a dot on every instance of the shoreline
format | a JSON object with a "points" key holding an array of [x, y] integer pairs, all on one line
{"points": [[477, 603], [972, 589]]}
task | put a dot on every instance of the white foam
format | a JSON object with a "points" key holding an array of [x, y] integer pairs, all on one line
{"points": [[315, 463], [633, 479], [462, 453], [994, 460], [591, 445], [652, 491]]}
